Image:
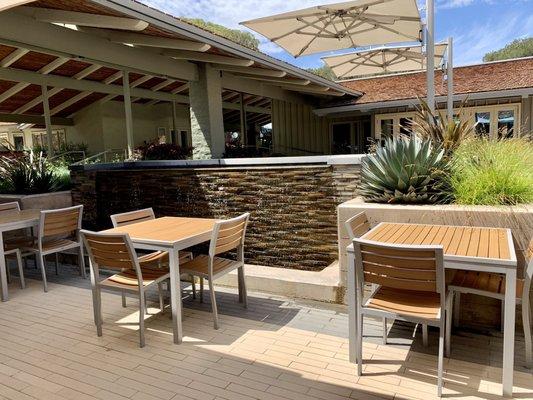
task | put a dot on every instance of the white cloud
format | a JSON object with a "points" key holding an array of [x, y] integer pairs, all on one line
{"points": [[481, 37]]}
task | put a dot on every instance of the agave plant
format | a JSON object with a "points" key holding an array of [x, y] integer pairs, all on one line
{"points": [[406, 170], [437, 127]]}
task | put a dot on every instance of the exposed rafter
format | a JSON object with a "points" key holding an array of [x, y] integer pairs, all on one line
{"points": [[137, 39], [34, 119], [22, 85], [52, 92], [133, 84], [59, 41], [292, 81], [13, 57], [82, 19], [17, 75], [250, 71], [178, 90], [203, 57]]}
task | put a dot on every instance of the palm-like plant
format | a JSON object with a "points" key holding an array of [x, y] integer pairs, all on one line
{"points": [[406, 170], [438, 128]]}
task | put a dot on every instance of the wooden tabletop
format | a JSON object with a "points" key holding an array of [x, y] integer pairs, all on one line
{"points": [[14, 216], [464, 241], [167, 229]]}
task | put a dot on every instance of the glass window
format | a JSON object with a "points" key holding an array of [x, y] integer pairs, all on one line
{"points": [[18, 142], [482, 123], [387, 128], [342, 134], [406, 126], [505, 123]]}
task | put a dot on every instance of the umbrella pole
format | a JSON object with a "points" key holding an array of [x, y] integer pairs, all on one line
{"points": [[430, 53], [449, 73]]}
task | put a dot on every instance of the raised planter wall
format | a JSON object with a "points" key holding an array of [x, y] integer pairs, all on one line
{"points": [[292, 200], [475, 310], [43, 201]]}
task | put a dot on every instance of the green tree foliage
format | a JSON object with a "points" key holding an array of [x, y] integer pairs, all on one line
{"points": [[323, 71], [516, 49], [235, 35]]}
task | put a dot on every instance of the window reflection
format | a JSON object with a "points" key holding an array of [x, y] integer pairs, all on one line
{"points": [[505, 123], [482, 124]]}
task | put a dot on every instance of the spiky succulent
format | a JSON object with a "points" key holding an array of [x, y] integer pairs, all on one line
{"points": [[406, 170]]}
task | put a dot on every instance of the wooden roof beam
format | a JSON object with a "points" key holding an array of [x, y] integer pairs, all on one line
{"points": [[293, 81], [82, 19], [52, 92], [204, 57], [13, 57], [34, 119], [250, 71], [138, 39]]}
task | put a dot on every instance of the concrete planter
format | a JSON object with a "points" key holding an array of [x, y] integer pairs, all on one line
{"points": [[475, 310], [43, 201]]}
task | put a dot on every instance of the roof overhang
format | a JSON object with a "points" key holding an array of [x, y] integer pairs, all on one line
{"points": [[167, 22], [413, 102]]}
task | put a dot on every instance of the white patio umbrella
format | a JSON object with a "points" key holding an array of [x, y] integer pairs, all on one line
{"points": [[339, 26], [382, 60]]}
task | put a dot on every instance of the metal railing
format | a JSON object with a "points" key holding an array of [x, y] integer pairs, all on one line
{"points": [[106, 156], [69, 154]]}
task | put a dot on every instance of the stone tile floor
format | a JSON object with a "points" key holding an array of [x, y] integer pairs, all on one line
{"points": [[276, 349]]}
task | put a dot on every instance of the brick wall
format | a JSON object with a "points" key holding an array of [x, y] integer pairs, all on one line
{"points": [[293, 220]]}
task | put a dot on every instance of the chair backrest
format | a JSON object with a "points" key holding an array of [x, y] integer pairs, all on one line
{"points": [[11, 206], [417, 268], [132, 217], [112, 251], [228, 235], [60, 222], [357, 226]]}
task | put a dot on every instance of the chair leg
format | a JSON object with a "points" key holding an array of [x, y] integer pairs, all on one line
{"points": [[448, 324], [57, 263], [201, 290], [213, 303], [41, 262], [526, 321], [359, 343], [142, 306], [384, 330], [425, 335], [81, 262], [97, 309], [161, 300], [193, 285], [8, 272], [123, 293], [242, 287], [21, 270], [441, 360], [456, 309], [502, 316]]}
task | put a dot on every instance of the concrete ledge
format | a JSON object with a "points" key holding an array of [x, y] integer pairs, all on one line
{"points": [[349, 159], [321, 286]]}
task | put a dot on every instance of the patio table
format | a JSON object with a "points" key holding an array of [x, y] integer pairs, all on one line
{"points": [[170, 234], [12, 221], [465, 248]]}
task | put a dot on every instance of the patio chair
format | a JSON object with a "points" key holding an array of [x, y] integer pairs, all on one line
{"points": [[411, 288], [116, 252], [58, 232], [493, 285], [227, 235], [13, 243], [156, 259], [356, 227]]}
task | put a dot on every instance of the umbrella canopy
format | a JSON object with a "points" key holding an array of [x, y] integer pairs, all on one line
{"points": [[383, 59], [339, 26]]}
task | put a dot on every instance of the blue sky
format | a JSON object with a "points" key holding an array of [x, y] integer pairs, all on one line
{"points": [[478, 26]]}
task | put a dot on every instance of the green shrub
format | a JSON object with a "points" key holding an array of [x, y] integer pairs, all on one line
{"points": [[406, 170], [493, 172], [30, 174]]}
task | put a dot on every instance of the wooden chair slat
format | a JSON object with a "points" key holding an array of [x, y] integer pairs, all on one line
{"points": [[222, 240], [229, 246], [223, 231], [411, 253], [132, 217], [399, 262], [405, 284], [11, 206], [401, 273]]}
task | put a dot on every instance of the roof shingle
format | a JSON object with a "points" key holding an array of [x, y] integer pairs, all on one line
{"points": [[496, 76]]}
